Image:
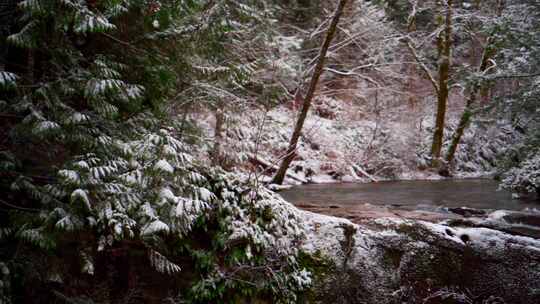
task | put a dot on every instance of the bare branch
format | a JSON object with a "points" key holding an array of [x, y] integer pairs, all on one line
{"points": [[352, 73], [422, 65]]}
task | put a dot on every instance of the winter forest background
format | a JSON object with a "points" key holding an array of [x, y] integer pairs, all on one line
{"points": [[140, 140]]}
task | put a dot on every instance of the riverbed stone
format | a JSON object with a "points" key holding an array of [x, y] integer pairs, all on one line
{"points": [[511, 222], [467, 212], [525, 218]]}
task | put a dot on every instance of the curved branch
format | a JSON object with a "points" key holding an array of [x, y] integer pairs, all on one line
{"points": [[424, 68]]}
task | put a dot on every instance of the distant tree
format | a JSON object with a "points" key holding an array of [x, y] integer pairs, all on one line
{"points": [[456, 25], [440, 84]]}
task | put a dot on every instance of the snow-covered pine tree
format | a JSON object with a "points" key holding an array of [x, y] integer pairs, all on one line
{"points": [[520, 101], [101, 177]]}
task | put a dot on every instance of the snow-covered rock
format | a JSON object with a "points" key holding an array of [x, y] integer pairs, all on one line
{"points": [[404, 261]]}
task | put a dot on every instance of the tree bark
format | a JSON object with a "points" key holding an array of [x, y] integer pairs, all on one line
{"points": [[291, 151], [444, 45], [467, 113]]}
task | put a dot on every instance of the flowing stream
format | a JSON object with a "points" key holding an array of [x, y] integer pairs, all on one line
{"points": [[411, 195]]}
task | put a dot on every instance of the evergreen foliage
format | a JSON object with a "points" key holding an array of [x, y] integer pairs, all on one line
{"points": [[98, 163], [521, 62], [106, 192]]}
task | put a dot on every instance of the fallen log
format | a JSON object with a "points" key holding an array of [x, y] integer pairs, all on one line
{"points": [[353, 173], [363, 172]]}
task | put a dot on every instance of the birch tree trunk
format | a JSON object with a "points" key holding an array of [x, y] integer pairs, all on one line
{"points": [[291, 150]]}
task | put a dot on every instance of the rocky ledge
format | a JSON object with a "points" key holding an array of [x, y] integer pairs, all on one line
{"points": [[392, 260]]}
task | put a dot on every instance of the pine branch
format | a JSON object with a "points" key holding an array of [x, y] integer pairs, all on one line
{"points": [[18, 207]]}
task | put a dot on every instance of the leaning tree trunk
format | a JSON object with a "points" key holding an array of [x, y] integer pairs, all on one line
{"points": [[444, 44], [467, 113], [291, 151]]}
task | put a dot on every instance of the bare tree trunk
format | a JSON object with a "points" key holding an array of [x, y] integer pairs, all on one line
{"points": [[463, 123], [444, 45], [291, 151], [218, 130], [467, 113]]}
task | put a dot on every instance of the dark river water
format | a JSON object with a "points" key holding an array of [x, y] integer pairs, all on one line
{"points": [[473, 193]]}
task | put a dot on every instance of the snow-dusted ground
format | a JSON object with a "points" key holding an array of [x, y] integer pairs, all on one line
{"points": [[339, 135]]}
